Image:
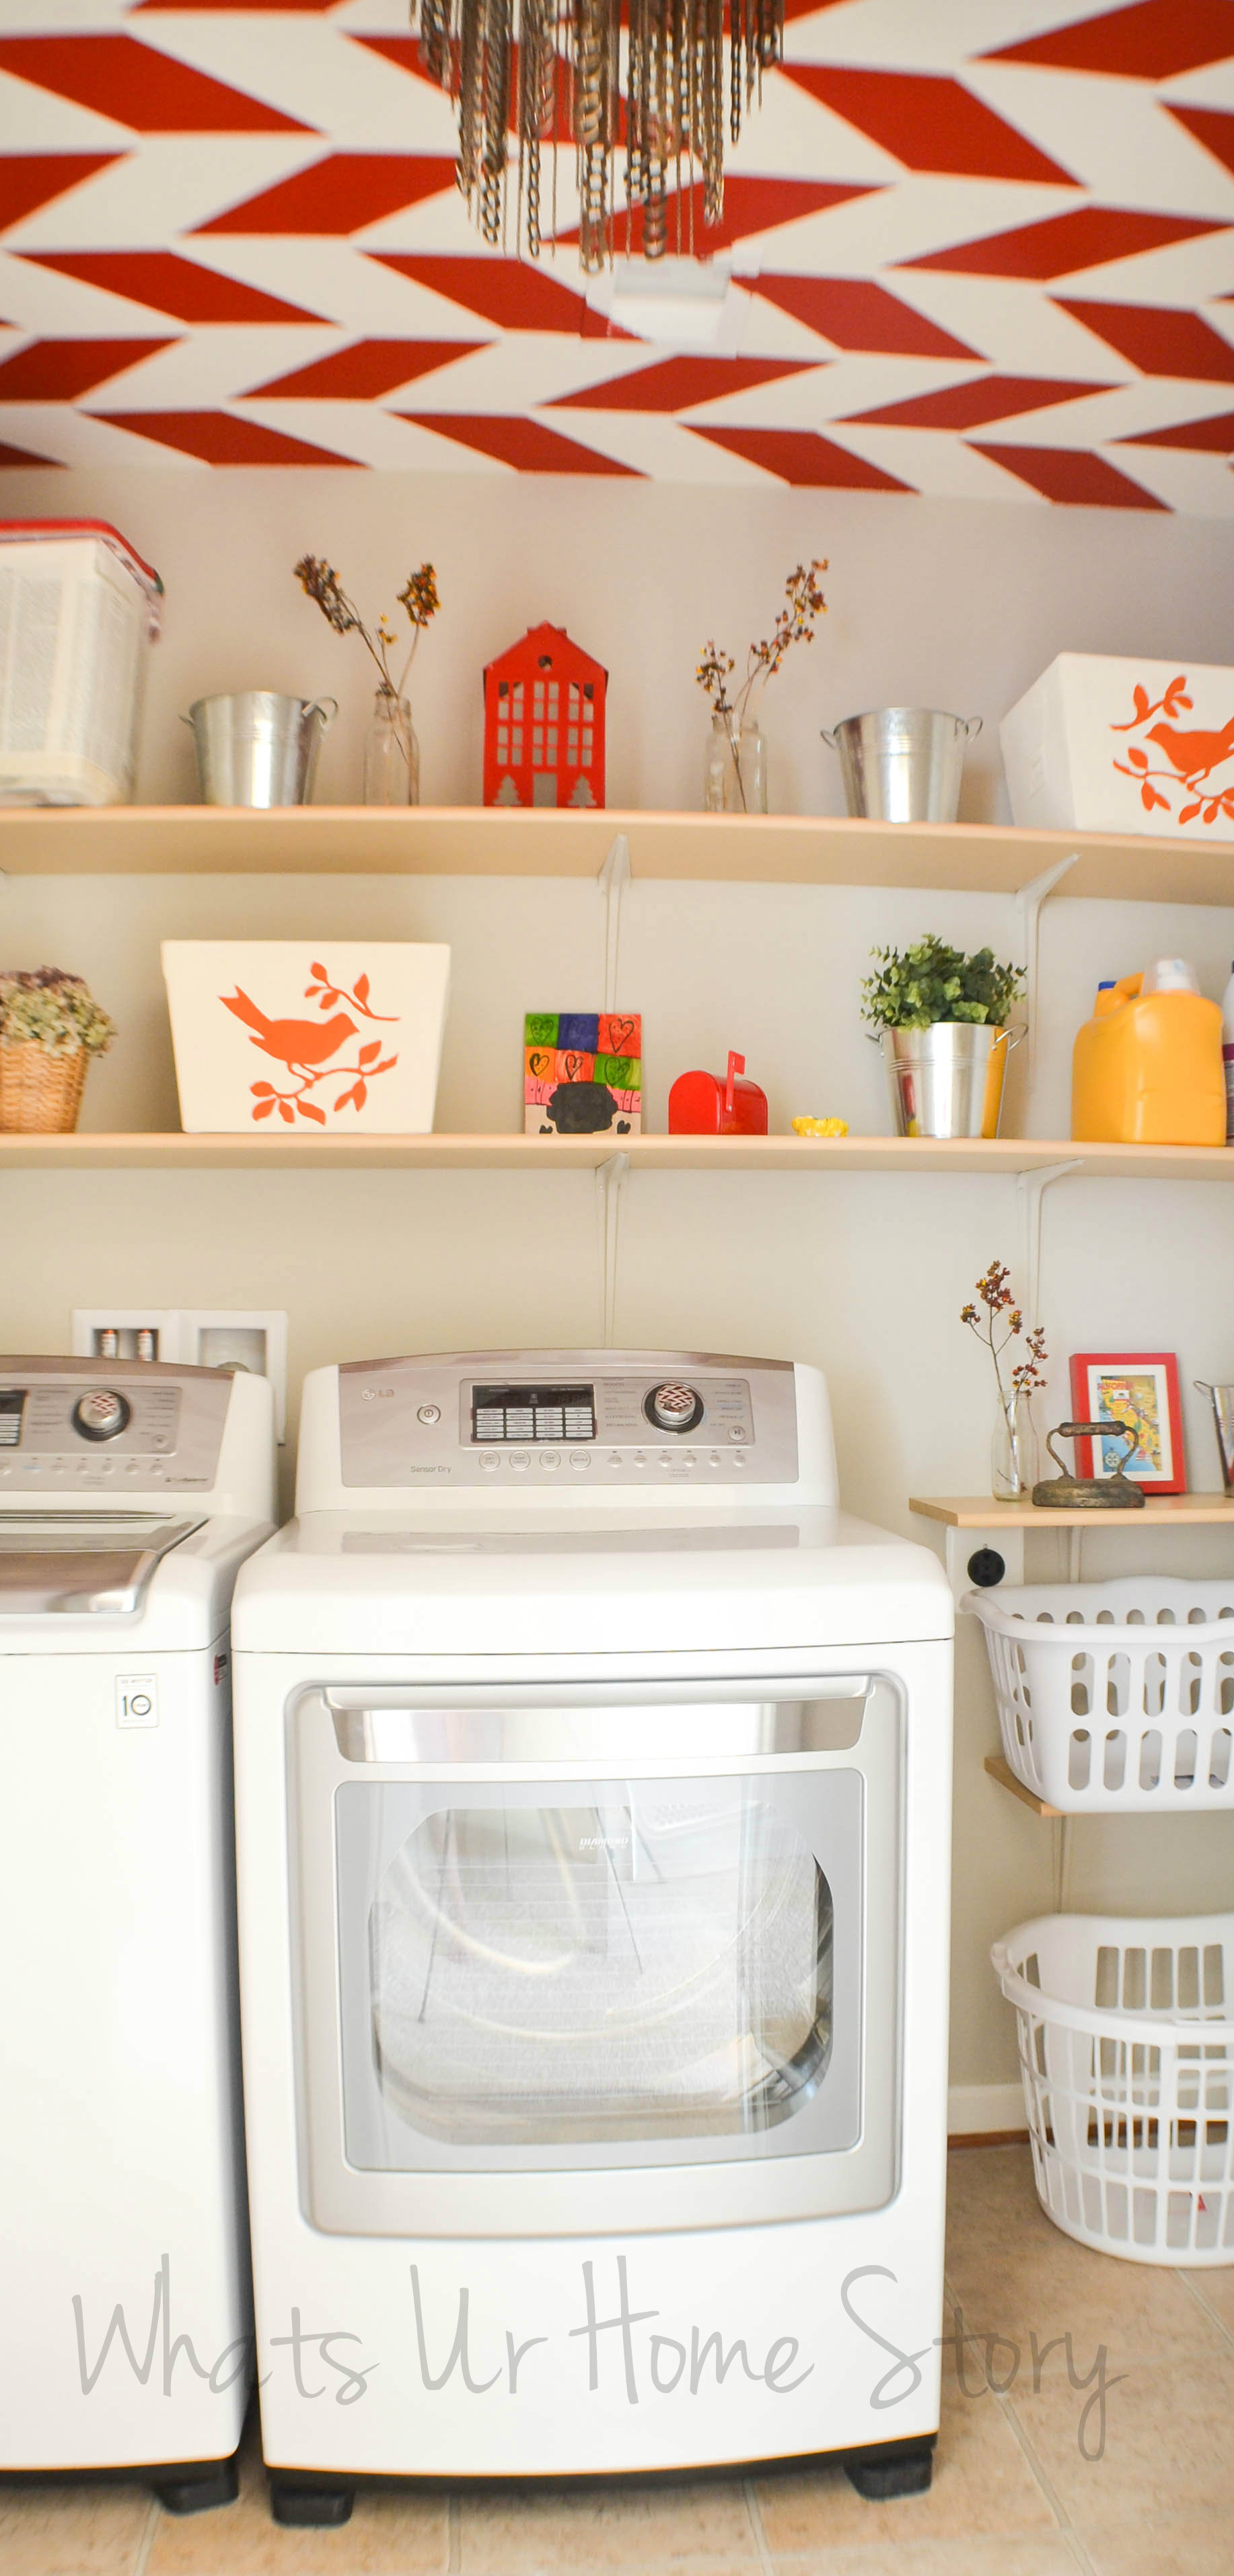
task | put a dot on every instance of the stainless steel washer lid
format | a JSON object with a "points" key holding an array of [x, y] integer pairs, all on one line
{"points": [[70, 1562]]}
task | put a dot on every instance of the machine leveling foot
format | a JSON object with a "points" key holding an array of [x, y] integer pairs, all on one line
{"points": [[879, 2481], [310, 2508], [196, 2489]]}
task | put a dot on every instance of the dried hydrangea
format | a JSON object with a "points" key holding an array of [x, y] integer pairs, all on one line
{"points": [[41, 1006]]}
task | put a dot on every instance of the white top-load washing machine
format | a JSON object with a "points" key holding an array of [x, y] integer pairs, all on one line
{"points": [[130, 1492], [593, 1807]]}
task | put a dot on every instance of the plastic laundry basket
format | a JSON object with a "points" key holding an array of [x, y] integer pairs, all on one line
{"points": [[1127, 2056], [1115, 1698]]}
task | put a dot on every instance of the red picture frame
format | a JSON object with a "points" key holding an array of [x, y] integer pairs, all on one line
{"points": [[1154, 1405]]}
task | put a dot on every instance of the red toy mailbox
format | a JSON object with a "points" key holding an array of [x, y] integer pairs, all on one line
{"points": [[705, 1104]]}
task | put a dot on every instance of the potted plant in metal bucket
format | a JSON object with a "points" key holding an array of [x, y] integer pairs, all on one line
{"points": [[50, 1029], [942, 1021]]}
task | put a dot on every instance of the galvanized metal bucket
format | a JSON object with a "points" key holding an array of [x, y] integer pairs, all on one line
{"points": [[947, 1080], [257, 748], [1223, 1417], [903, 764]]}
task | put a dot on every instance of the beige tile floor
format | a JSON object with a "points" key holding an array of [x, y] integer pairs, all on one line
{"points": [[1012, 2494]]}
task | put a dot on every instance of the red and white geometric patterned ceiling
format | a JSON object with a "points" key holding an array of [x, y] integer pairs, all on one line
{"points": [[981, 248]]}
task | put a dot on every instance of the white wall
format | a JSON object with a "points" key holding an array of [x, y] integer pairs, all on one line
{"points": [[932, 602]]}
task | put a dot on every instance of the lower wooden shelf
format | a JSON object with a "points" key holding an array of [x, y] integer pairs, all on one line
{"points": [[1004, 1155], [1000, 1769]]}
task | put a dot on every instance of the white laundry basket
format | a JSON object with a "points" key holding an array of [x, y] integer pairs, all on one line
{"points": [[1127, 2057], [1115, 1698], [78, 612]]}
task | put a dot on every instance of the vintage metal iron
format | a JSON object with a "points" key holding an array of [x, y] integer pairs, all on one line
{"points": [[1070, 1493]]}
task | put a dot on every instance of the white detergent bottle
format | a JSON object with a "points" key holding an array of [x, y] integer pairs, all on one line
{"points": [[1227, 1052]]}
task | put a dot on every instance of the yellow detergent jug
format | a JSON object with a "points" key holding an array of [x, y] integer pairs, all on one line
{"points": [[1147, 1068]]}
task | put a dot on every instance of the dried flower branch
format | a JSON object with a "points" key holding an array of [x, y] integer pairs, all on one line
{"points": [[998, 1300], [419, 597], [804, 602]]}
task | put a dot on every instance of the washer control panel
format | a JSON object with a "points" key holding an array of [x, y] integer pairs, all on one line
{"points": [[133, 1423], [600, 1418]]}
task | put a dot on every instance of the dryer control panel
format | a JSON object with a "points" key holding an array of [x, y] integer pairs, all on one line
{"points": [[567, 1419]]}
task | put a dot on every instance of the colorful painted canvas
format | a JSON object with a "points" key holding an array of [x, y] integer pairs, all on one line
{"points": [[583, 1073]]}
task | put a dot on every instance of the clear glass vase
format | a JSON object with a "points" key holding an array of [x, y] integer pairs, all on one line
{"points": [[391, 753], [735, 775], [1015, 1461]]}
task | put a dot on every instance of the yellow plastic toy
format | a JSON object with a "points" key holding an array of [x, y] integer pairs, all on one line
{"points": [[1147, 1068], [820, 1126]]}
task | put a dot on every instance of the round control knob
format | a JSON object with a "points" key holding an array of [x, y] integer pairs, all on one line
{"points": [[100, 1414], [674, 1408]]}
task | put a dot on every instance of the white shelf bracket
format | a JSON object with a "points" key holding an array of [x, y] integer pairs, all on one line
{"points": [[611, 1178], [1030, 1190], [613, 880], [1028, 903]]}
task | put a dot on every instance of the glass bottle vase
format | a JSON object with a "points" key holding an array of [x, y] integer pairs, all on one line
{"points": [[1015, 1462], [735, 773], [391, 753]]}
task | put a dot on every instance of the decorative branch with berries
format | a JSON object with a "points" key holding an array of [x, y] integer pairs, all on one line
{"points": [[804, 602], [998, 1301]]}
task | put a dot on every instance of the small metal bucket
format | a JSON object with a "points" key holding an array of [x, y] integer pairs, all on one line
{"points": [[257, 748], [903, 764], [947, 1080], [1223, 1417]]}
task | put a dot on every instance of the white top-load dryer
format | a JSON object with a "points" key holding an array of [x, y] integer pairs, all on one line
{"points": [[593, 1807], [130, 1492]]}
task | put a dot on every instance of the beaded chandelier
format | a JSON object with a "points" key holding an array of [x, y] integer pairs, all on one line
{"points": [[551, 71]]}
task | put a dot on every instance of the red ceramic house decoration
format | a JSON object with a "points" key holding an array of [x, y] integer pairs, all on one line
{"points": [[544, 723]]}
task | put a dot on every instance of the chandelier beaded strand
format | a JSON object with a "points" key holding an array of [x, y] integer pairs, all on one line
{"points": [[532, 68]]}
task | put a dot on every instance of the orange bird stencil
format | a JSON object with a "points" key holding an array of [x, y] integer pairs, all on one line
{"points": [[299, 1044], [1194, 755]]}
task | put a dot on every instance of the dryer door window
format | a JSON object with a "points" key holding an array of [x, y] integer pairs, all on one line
{"points": [[598, 1971], [653, 1963]]}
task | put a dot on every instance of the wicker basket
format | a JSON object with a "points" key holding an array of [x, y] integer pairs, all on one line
{"points": [[40, 1094]]}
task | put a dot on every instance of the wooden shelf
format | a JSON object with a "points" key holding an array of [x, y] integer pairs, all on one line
{"points": [[782, 849], [1161, 1511], [1006, 1155], [1000, 1769]]}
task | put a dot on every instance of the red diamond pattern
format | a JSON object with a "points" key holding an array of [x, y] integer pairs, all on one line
{"points": [[1088, 238], [1060, 474], [1149, 41], [367, 369], [801, 457], [678, 384], [915, 222], [929, 123], [342, 194], [855, 313], [974, 405], [1159, 344], [138, 86], [162, 280]]}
